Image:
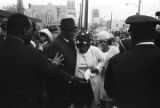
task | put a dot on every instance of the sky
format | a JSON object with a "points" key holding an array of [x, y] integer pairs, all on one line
{"points": [[118, 8]]}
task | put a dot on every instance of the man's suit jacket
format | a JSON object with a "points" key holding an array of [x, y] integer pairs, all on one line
{"points": [[22, 68], [62, 87], [132, 78]]}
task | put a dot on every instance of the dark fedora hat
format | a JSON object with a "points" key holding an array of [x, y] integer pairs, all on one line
{"points": [[142, 19], [67, 24]]}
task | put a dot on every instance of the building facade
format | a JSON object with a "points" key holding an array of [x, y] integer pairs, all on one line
{"points": [[71, 9], [95, 16], [47, 13], [51, 14]]}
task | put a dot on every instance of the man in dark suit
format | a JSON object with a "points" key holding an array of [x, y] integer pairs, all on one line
{"points": [[22, 67], [60, 93], [132, 78]]}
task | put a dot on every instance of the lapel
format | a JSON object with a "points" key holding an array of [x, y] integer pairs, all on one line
{"points": [[68, 51], [67, 44]]}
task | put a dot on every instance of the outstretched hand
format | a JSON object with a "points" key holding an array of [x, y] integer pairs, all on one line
{"points": [[57, 59]]}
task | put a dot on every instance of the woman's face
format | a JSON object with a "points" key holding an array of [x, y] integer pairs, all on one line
{"points": [[43, 38], [104, 46], [83, 49], [82, 46]]}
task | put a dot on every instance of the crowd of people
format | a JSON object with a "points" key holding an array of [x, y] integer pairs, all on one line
{"points": [[63, 69]]}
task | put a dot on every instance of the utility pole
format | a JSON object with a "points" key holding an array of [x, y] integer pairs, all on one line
{"points": [[81, 15], [83, 23], [139, 7], [86, 15], [111, 23]]}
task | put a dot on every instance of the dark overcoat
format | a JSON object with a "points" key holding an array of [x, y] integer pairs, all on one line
{"points": [[60, 88], [22, 69], [132, 78]]}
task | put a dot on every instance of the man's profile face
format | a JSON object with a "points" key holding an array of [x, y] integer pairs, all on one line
{"points": [[70, 36], [28, 32], [43, 38]]}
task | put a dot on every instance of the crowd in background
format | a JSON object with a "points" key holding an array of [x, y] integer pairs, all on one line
{"points": [[63, 67]]}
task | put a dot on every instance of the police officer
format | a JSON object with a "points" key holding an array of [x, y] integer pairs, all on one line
{"points": [[132, 77]]}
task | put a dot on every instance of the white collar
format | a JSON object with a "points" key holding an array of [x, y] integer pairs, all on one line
{"points": [[145, 43]]}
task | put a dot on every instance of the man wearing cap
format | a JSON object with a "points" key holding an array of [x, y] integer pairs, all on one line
{"points": [[60, 93], [132, 78]]}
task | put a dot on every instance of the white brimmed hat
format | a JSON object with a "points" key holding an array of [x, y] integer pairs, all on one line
{"points": [[47, 32], [104, 35]]}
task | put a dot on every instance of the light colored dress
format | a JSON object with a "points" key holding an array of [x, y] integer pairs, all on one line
{"points": [[92, 59]]}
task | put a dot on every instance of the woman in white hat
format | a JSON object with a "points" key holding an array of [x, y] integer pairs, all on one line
{"points": [[45, 38]]}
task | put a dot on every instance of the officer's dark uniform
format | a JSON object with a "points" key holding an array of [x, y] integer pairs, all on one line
{"points": [[132, 78]]}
